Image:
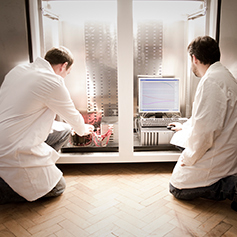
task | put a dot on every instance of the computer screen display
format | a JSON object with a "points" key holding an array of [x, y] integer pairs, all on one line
{"points": [[158, 95]]}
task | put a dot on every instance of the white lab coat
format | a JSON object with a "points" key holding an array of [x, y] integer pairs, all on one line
{"points": [[30, 97], [211, 133]]}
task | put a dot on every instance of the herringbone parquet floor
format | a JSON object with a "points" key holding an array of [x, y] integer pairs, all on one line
{"points": [[118, 200]]}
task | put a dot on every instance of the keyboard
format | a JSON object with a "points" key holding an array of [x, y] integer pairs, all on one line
{"points": [[159, 122]]}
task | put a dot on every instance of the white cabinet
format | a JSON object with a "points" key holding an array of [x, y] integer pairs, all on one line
{"points": [[88, 87]]}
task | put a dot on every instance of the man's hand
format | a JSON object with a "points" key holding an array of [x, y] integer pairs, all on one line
{"points": [[89, 129], [182, 160], [177, 126]]}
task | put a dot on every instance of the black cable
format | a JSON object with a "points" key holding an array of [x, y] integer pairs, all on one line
{"points": [[27, 9], [218, 20]]}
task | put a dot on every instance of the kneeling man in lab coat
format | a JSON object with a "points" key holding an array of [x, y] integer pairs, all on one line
{"points": [[30, 97], [207, 167]]}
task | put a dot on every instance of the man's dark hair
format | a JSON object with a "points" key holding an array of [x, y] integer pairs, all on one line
{"points": [[59, 56], [205, 49]]}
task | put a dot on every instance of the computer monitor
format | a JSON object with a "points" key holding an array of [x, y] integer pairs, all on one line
{"points": [[158, 95]]}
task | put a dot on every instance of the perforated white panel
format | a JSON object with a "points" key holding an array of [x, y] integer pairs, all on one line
{"points": [[101, 66], [148, 51], [148, 48]]}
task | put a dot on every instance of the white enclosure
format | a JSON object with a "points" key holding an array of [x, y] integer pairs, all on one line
{"points": [[113, 42]]}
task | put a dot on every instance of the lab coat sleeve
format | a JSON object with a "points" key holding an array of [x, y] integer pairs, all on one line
{"points": [[58, 100], [180, 137], [208, 115]]}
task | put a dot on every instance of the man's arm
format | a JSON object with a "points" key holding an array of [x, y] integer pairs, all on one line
{"points": [[59, 100], [207, 121]]}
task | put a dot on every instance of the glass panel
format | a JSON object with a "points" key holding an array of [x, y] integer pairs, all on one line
{"points": [[88, 29], [161, 35]]}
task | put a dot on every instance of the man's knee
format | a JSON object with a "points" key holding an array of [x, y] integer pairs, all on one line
{"points": [[61, 186], [174, 191], [58, 189], [59, 135], [183, 194], [67, 128]]}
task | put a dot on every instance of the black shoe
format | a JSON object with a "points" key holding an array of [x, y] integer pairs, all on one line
{"points": [[234, 205]]}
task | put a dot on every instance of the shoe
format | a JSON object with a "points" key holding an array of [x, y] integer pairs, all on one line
{"points": [[234, 205]]}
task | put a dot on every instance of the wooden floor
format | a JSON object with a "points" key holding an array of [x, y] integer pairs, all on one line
{"points": [[118, 200]]}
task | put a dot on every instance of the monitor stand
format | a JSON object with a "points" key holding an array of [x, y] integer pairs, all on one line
{"points": [[159, 115]]}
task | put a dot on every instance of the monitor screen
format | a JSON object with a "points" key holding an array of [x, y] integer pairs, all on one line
{"points": [[158, 95]]}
